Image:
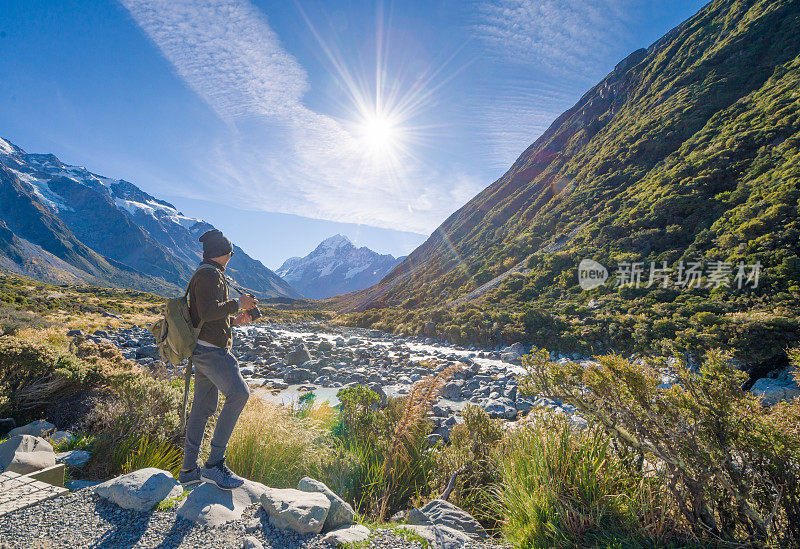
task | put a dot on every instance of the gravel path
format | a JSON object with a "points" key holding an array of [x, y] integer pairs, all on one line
{"points": [[82, 519]]}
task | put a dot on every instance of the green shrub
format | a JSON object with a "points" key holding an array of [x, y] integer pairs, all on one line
{"points": [[732, 467], [131, 454], [472, 457], [561, 487], [32, 374]]}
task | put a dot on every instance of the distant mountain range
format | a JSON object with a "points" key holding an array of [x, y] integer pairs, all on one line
{"points": [[63, 223], [335, 267]]}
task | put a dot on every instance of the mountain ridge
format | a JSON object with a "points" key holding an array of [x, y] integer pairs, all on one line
{"points": [[109, 230], [335, 266]]}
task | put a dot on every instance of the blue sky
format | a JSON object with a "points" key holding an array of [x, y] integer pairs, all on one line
{"points": [[286, 122]]}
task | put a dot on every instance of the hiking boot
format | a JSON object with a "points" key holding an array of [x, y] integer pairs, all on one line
{"points": [[187, 478], [222, 477]]}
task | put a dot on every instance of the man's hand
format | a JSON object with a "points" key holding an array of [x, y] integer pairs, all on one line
{"points": [[247, 302], [241, 318]]}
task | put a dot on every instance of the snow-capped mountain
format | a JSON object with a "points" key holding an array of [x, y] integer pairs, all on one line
{"points": [[107, 230], [335, 267]]}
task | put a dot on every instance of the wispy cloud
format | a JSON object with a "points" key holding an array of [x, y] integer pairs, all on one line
{"points": [[549, 52], [280, 154], [565, 36]]}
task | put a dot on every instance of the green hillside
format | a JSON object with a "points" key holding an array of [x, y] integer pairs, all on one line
{"points": [[687, 151]]}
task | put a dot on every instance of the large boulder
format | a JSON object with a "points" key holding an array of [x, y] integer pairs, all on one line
{"points": [[38, 428], [771, 391], [25, 454], [347, 535], [213, 506], [140, 490], [443, 513], [298, 355], [303, 512], [298, 375], [500, 407], [340, 513], [452, 390]]}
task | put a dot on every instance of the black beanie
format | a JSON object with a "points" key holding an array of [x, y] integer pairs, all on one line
{"points": [[215, 244]]}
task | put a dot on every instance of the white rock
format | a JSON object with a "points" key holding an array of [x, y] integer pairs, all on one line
{"points": [[443, 513], [140, 490], [340, 513], [207, 504], [303, 512], [25, 454], [74, 458], [37, 428], [347, 534]]}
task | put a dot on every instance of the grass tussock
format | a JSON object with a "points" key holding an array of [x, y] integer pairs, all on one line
{"points": [[274, 446], [561, 487]]}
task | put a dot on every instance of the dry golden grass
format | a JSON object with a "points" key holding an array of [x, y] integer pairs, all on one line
{"points": [[273, 446]]}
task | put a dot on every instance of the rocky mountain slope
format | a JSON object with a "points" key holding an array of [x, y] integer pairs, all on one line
{"points": [[66, 223], [687, 150], [335, 267]]}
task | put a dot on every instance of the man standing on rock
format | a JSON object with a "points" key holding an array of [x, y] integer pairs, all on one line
{"points": [[216, 369]]}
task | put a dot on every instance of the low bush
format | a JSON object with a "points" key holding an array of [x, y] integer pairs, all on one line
{"points": [[563, 487], [136, 453], [732, 467], [469, 466]]}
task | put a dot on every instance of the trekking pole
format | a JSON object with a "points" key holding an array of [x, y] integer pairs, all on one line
{"points": [[187, 380]]}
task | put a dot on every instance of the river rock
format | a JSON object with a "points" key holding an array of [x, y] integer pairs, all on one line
{"points": [[25, 454], [347, 535], [61, 437], [771, 391], [140, 490], [251, 542], [500, 408], [340, 513], [213, 506], [298, 355], [148, 351], [443, 513], [38, 428], [297, 375], [303, 512]]}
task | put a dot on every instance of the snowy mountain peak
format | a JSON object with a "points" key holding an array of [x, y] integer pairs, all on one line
{"points": [[334, 243], [336, 266]]}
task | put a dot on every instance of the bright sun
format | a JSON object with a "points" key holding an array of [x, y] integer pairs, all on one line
{"points": [[379, 134]]}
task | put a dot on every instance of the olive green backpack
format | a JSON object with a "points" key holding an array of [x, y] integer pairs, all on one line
{"points": [[176, 336]]}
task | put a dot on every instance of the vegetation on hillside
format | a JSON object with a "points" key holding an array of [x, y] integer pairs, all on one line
{"points": [[689, 151]]}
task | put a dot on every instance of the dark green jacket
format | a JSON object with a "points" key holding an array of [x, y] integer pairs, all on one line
{"points": [[208, 301]]}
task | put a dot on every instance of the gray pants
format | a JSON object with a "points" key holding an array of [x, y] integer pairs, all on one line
{"points": [[215, 370]]}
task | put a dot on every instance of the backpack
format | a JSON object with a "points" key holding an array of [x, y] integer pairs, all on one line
{"points": [[176, 336]]}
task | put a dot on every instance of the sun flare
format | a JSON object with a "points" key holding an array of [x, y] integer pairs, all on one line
{"points": [[380, 134]]}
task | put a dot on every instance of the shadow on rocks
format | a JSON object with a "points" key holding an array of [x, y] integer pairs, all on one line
{"points": [[128, 526]]}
